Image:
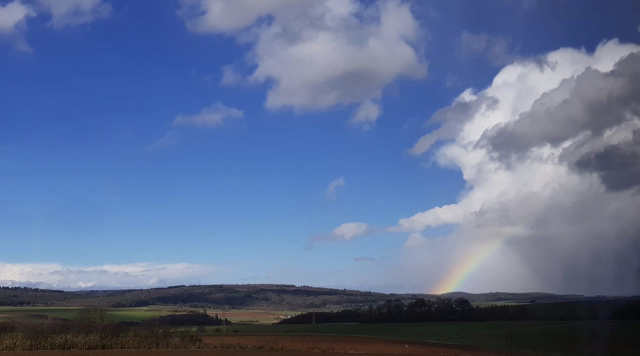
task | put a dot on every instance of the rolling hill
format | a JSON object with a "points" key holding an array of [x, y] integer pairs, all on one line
{"points": [[249, 296]]}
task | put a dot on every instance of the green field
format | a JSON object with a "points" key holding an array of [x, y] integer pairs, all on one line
{"points": [[554, 337], [116, 314]]}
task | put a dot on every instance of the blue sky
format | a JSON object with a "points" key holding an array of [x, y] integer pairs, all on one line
{"points": [[95, 168]]}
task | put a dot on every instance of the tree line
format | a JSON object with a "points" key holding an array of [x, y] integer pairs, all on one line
{"points": [[393, 311], [91, 329], [460, 309], [187, 319]]}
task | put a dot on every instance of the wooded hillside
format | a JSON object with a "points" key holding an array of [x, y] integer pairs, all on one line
{"points": [[249, 296]]}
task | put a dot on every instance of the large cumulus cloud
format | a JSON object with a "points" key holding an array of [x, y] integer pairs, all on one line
{"points": [[318, 54], [550, 153]]}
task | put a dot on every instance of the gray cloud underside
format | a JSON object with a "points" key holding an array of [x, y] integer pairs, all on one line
{"points": [[582, 111]]}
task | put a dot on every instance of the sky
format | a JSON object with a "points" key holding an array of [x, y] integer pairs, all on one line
{"points": [[394, 146]]}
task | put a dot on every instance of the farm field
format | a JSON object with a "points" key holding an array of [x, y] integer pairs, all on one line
{"points": [[116, 314], [549, 337], [242, 316], [340, 344], [255, 327], [291, 345], [140, 314]]}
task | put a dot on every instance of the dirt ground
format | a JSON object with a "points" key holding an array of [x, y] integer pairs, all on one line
{"points": [[289, 345], [341, 344]]}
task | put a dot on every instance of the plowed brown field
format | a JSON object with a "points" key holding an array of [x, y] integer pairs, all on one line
{"points": [[292, 345]]}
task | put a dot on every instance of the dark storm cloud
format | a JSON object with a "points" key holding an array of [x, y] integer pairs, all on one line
{"points": [[617, 165], [590, 103], [582, 109]]}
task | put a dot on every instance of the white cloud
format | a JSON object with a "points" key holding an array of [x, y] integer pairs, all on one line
{"points": [[347, 231], [13, 14], [75, 12], [351, 230], [13, 18], [137, 275], [319, 54], [414, 239], [211, 116], [366, 114], [562, 225], [331, 189], [448, 214]]}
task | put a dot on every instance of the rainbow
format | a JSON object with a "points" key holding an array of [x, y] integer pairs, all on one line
{"points": [[467, 265]]}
